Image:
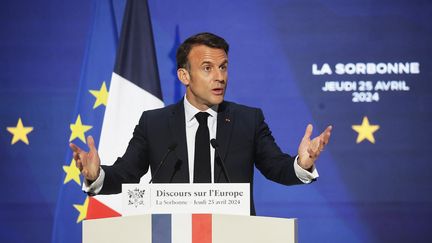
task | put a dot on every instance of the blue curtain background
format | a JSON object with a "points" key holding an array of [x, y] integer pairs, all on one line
{"points": [[367, 192]]}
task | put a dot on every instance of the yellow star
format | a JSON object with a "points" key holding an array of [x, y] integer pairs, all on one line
{"points": [[72, 173], [20, 132], [82, 209], [365, 130], [101, 96], [78, 130]]}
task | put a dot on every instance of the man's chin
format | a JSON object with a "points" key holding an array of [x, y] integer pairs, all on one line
{"points": [[214, 102], [217, 100]]}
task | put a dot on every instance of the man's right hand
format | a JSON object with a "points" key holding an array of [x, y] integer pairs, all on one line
{"points": [[87, 162]]}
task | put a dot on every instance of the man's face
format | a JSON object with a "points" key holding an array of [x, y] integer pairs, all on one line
{"points": [[206, 79]]}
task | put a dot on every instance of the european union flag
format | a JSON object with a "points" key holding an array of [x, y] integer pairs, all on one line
{"points": [[109, 116], [87, 120]]}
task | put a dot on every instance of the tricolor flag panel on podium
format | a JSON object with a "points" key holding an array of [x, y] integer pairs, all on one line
{"points": [[119, 80], [181, 228]]}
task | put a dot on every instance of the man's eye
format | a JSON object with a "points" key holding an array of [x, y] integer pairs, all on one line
{"points": [[223, 67], [207, 68]]}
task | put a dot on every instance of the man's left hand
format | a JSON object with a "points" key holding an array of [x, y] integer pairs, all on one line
{"points": [[309, 150]]}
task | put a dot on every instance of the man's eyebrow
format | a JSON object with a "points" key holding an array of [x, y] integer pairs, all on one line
{"points": [[206, 62], [209, 62]]}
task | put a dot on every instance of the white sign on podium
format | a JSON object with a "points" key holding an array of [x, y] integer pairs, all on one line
{"points": [[218, 198]]}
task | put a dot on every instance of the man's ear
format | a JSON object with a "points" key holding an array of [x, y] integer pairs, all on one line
{"points": [[183, 76]]}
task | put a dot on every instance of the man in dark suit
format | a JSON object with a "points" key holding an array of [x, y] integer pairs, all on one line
{"points": [[243, 137]]}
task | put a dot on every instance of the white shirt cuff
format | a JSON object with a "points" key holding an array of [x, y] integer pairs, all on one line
{"points": [[304, 175], [96, 186]]}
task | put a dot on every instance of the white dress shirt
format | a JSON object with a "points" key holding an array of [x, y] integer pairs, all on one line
{"points": [[191, 128]]}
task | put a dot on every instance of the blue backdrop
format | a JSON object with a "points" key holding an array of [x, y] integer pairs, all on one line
{"points": [[362, 66]]}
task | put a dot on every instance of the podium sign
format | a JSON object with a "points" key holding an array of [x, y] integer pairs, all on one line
{"points": [[218, 198]]}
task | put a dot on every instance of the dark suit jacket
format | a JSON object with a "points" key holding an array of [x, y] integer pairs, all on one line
{"points": [[244, 141]]}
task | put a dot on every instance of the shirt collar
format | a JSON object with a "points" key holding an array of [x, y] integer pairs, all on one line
{"points": [[191, 111]]}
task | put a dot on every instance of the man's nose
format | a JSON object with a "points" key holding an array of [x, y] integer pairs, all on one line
{"points": [[220, 76]]}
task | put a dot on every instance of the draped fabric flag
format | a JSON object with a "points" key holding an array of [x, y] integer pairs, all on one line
{"points": [[135, 87], [109, 116]]}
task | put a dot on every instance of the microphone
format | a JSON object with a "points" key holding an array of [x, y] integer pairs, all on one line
{"points": [[215, 145], [171, 148]]}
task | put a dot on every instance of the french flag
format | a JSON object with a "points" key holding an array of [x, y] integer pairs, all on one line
{"points": [[135, 87]]}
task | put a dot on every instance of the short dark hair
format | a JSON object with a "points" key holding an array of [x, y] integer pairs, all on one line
{"points": [[205, 38]]}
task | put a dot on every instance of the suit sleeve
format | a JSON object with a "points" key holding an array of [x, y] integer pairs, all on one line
{"points": [[134, 163], [269, 159]]}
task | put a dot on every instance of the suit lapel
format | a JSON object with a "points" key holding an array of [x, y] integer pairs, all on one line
{"points": [[178, 130], [224, 127]]}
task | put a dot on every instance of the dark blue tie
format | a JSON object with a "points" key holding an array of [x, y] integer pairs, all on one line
{"points": [[202, 170]]}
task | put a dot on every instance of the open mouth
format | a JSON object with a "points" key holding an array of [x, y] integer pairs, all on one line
{"points": [[218, 91]]}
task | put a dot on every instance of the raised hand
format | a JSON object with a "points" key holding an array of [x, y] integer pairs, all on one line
{"points": [[309, 150], [87, 162]]}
